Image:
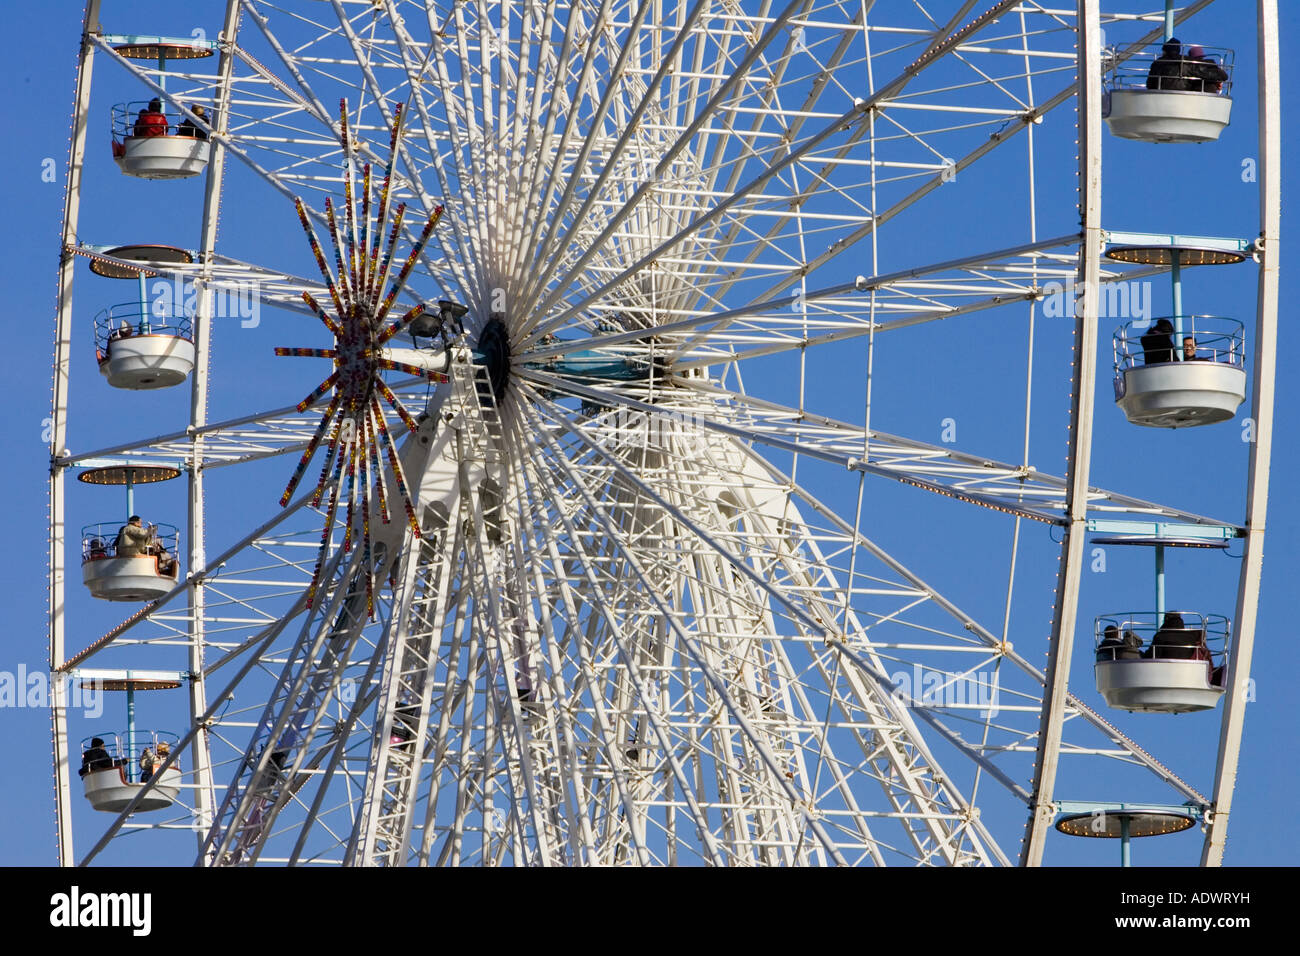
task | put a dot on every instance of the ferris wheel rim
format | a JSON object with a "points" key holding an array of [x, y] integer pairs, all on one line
{"points": [[233, 6]]}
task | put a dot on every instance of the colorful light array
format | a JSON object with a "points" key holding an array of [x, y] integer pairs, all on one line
{"points": [[354, 418]]}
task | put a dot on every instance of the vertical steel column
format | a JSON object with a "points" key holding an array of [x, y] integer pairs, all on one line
{"points": [[1160, 584], [1261, 412], [59, 434], [204, 797], [1176, 280], [1056, 688]]}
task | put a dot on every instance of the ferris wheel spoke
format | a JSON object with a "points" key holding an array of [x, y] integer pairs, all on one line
{"points": [[921, 841], [617, 742], [974, 479], [551, 250], [1103, 725], [617, 627], [695, 652], [969, 624], [939, 47], [610, 741], [466, 245], [296, 733], [928, 295]]}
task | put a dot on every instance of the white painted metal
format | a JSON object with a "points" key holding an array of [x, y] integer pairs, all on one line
{"points": [[1157, 686], [1155, 116], [110, 791], [126, 579], [163, 157], [1042, 812], [624, 636], [147, 361], [59, 433], [1265, 365], [1180, 394]]}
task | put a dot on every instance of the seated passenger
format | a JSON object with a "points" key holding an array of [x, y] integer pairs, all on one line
{"points": [[151, 121], [1189, 350], [1167, 72], [187, 126], [1114, 647], [1203, 72], [166, 563], [147, 764], [96, 758], [1158, 344], [1176, 641], [133, 539], [97, 548]]}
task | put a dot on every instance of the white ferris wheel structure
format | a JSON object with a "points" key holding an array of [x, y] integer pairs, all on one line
{"points": [[578, 559]]}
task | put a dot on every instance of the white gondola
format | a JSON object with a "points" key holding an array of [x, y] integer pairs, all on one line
{"points": [[128, 577], [1157, 116], [1151, 677], [136, 352], [1141, 106], [153, 140], [111, 765], [1174, 387], [148, 343], [170, 156], [110, 791]]}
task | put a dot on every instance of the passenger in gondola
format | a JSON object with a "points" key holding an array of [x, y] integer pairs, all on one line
{"points": [[166, 562], [95, 758], [406, 718], [150, 121], [148, 762], [1117, 647], [1176, 641], [1167, 72], [133, 539], [188, 127], [1189, 350], [1158, 343], [164, 751], [1204, 72]]}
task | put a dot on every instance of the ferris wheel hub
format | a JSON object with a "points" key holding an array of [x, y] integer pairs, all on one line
{"points": [[494, 347]]}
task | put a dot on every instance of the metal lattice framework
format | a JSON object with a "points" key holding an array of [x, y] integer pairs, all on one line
{"points": [[634, 627]]}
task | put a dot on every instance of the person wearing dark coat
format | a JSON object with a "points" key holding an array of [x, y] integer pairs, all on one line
{"points": [[1114, 647], [1158, 344], [188, 127], [1176, 641], [1167, 72], [96, 758], [1203, 72]]}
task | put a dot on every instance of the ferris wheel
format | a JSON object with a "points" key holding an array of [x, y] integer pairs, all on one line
{"points": [[572, 534]]}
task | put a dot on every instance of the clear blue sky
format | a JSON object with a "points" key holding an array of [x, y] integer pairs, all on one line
{"points": [[1188, 189]]}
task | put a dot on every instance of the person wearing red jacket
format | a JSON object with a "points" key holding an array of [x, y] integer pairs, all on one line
{"points": [[151, 121]]}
